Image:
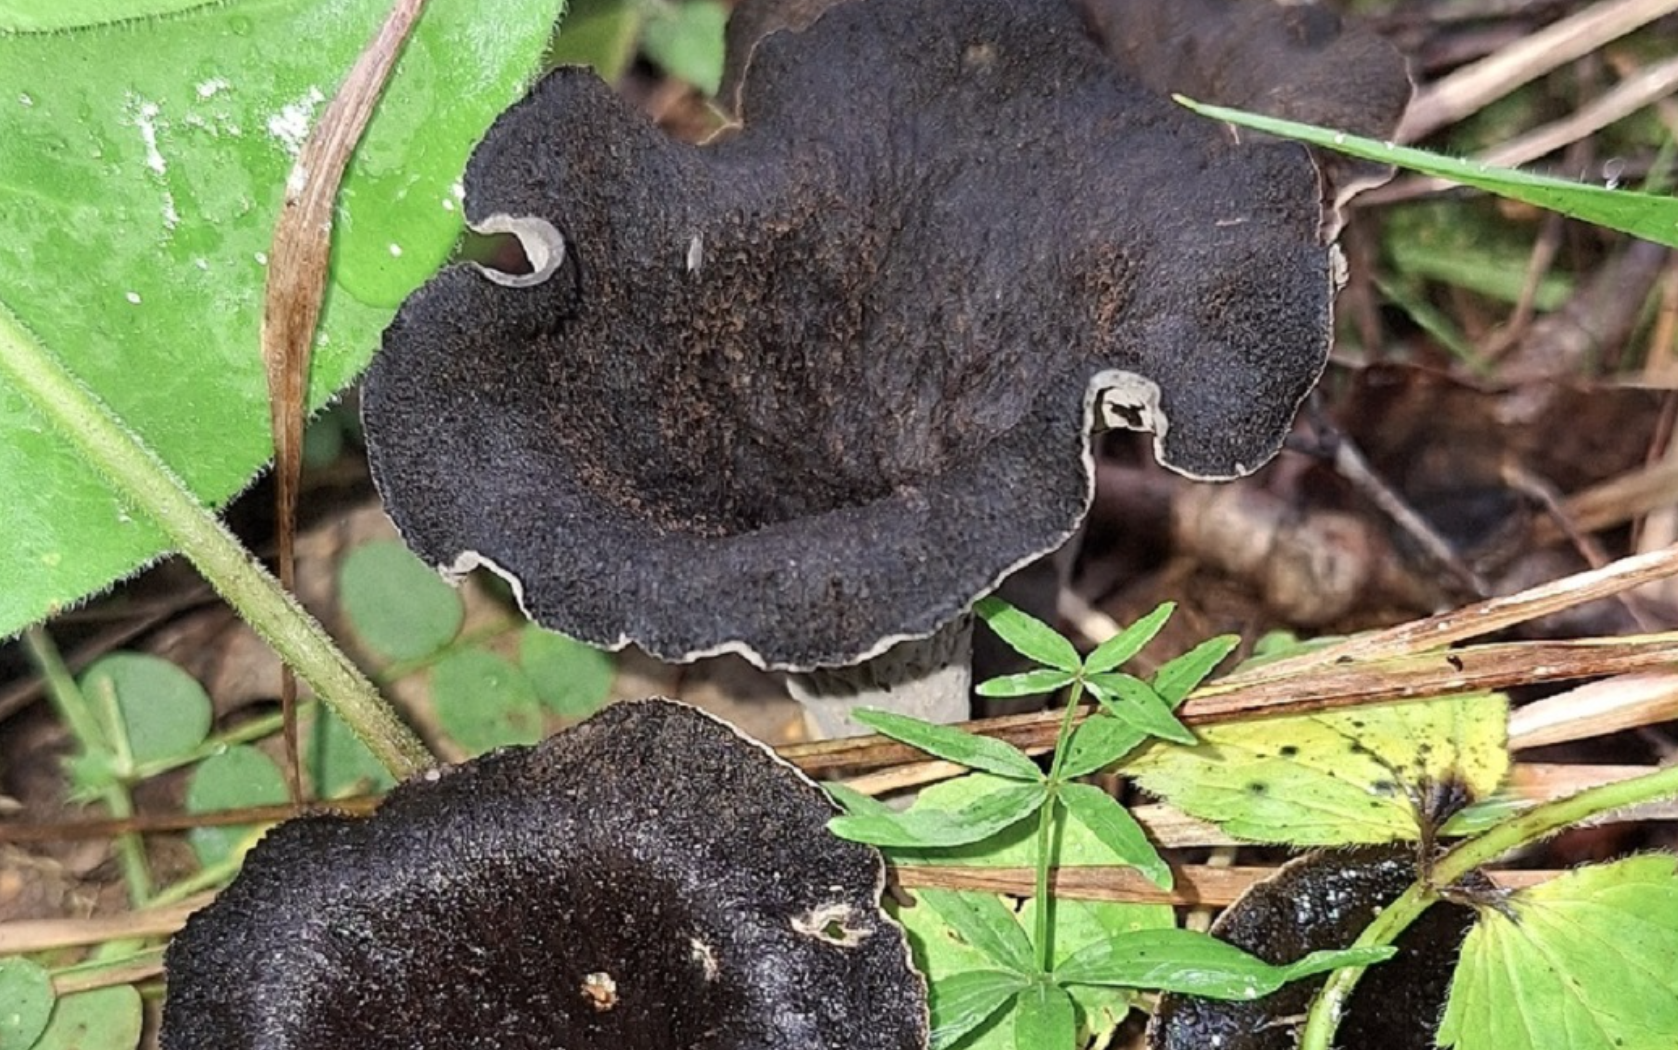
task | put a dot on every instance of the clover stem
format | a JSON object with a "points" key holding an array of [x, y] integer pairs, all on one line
{"points": [[1465, 857], [1045, 831], [96, 735], [143, 481]]}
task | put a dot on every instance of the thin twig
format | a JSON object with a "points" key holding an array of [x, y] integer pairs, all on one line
{"points": [[1195, 884]]}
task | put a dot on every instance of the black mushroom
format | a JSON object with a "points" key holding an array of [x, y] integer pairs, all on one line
{"points": [[1320, 901], [808, 391], [649, 878]]}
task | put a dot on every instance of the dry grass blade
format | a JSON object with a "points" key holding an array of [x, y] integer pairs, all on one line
{"points": [[1596, 708], [1197, 885], [40, 935], [144, 968], [1466, 90], [297, 284], [60, 831], [1415, 676], [1642, 88], [1614, 501], [1311, 687], [1482, 618]]}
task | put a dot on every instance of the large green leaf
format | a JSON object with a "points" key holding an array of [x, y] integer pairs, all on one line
{"points": [[1044, 1017], [1582, 961], [141, 177], [969, 992], [37, 15], [1333, 778], [983, 921]]}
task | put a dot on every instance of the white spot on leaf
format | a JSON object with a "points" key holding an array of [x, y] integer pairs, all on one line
{"points": [[145, 116], [290, 126]]}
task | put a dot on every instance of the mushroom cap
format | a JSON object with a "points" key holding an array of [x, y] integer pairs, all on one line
{"points": [[812, 389], [648, 878]]}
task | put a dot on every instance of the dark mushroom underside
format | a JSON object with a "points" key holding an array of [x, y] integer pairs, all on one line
{"points": [[1319, 901], [814, 388], [646, 879]]}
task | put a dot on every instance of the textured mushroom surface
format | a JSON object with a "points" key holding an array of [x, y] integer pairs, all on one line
{"points": [[647, 879], [1324, 900], [813, 388]]}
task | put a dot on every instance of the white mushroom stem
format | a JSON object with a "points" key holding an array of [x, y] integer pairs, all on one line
{"points": [[928, 678]]}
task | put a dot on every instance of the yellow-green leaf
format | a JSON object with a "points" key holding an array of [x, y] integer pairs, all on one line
{"points": [[1333, 778]]}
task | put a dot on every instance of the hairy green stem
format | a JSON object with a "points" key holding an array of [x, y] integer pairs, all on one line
{"points": [[143, 481], [1467, 856], [1045, 833]]}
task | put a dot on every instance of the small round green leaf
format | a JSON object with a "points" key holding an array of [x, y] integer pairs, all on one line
{"points": [[601, 34], [339, 763], [165, 712], [238, 777], [571, 679], [483, 701], [687, 40], [396, 605], [104, 1019], [25, 1002]]}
